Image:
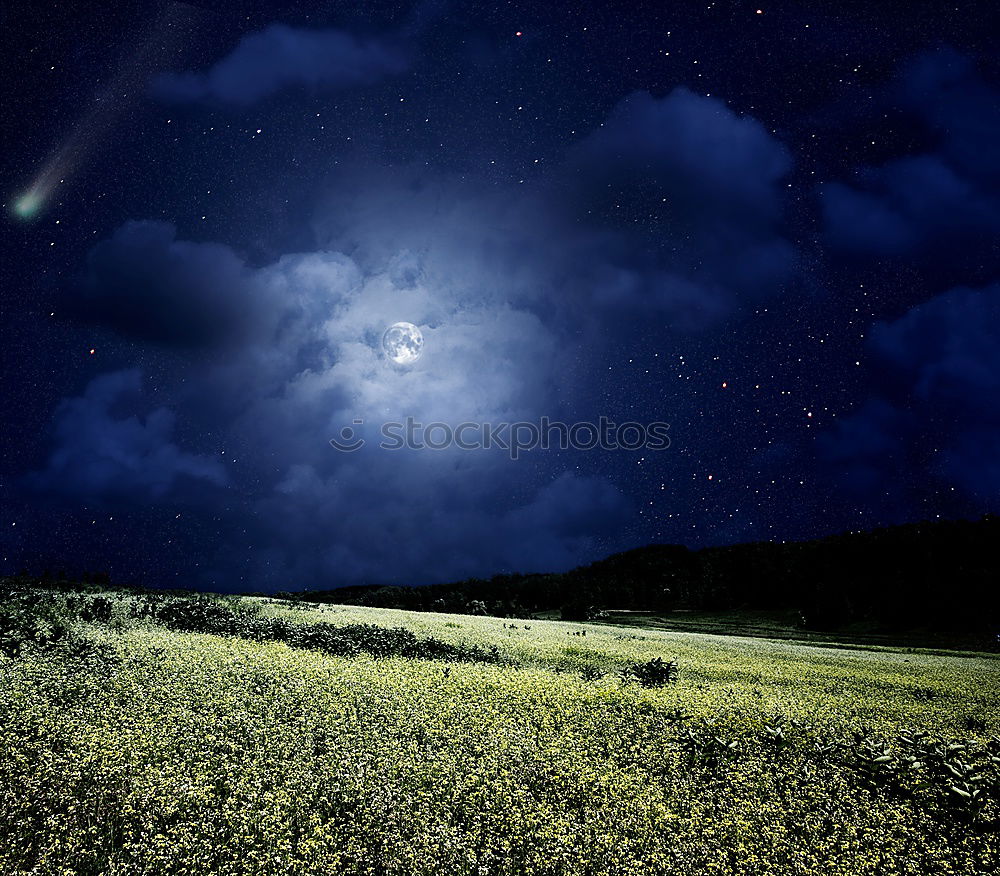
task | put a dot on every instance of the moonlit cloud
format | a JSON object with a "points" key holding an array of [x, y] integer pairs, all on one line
{"points": [[779, 271], [521, 301]]}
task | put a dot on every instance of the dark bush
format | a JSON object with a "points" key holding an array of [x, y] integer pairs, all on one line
{"points": [[205, 614], [577, 610], [98, 609], [653, 673], [201, 614], [31, 618]]}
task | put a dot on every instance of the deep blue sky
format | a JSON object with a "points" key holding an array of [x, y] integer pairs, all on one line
{"points": [[775, 230]]}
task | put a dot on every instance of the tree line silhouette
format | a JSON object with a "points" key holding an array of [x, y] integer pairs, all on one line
{"points": [[939, 575]]}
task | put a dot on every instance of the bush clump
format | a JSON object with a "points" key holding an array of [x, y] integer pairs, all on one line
{"points": [[31, 618], [653, 673], [205, 614]]}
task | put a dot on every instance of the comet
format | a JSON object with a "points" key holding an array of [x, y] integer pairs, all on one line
{"points": [[157, 42]]}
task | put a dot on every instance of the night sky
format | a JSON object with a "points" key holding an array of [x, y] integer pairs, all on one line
{"points": [[773, 227]]}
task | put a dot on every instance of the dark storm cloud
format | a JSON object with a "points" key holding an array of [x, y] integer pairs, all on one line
{"points": [[281, 57], [936, 409], [957, 104], [522, 301], [106, 451], [146, 284], [711, 181], [935, 205], [928, 433], [690, 149]]}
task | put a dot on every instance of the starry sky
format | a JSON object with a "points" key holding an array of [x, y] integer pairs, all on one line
{"points": [[773, 227]]}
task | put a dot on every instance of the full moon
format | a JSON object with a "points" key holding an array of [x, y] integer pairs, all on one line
{"points": [[403, 343]]}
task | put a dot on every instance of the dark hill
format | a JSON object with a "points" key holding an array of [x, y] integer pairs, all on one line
{"points": [[940, 575]]}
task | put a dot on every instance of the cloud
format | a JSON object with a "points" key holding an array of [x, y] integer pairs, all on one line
{"points": [[935, 410], [687, 147], [103, 454], [414, 519], [146, 284], [706, 182], [939, 204], [522, 300], [929, 433], [289, 353], [281, 57], [906, 204]]}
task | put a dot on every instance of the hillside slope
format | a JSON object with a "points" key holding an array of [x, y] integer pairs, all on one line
{"points": [[532, 747]]}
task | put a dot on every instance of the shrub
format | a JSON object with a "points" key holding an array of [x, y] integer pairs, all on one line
{"points": [[31, 618], [99, 609], [577, 610], [206, 614], [653, 673], [705, 747]]}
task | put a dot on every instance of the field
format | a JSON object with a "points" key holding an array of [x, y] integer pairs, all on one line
{"points": [[131, 748]]}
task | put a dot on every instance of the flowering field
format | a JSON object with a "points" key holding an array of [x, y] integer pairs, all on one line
{"points": [[130, 748]]}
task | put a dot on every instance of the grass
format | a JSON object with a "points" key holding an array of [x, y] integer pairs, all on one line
{"points": [[156, 752]]}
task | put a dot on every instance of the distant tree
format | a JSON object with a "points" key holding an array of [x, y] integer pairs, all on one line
{"points": [[665, 601], [577, 610]]}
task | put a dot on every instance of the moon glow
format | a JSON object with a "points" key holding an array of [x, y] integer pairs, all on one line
{"points": [[403, 343]]}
